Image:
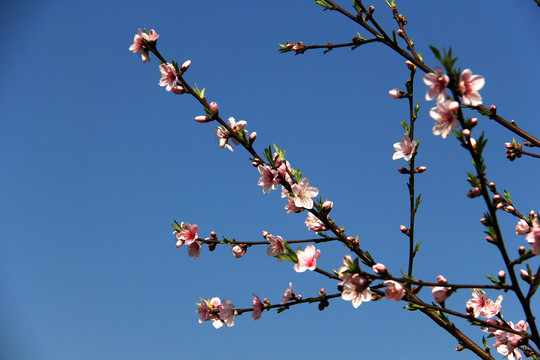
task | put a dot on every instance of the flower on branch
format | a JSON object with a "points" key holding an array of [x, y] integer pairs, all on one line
{"points": [[289, 295], [444, 117], [304, 194], [238, 250], [348, 263], [356, 290], [394, 290], [223, 138], [522, 228], [469, 86], [258, 307], [138, 46], [507, 342], [208, 309], [405, 148], [534, 237], [483, 306], [307, 259], [314, 224], [269, 178], [276, 247], [168, 76], [226, 314], [437, 82], [189, 233]]}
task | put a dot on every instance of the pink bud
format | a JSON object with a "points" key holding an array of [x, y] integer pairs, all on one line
{"points": [[493, 109], [410, 65], [525, 276], [327, 206], [509, 145], [474, 121], [265, 234], [421, 169], [490, 240], [483, 221], [492, 186], [213, 107], [400, 33], [510, 209], [179, 243], [213, 235], [466, 132], [379, 269], [396, 94], [404, 229], [496, 198], [442, 280], [203, 119], [522, 250], [185, 66], [500, 205], [403, 170], [252, 138], [179, 90], [502, 276], [474, 192]]}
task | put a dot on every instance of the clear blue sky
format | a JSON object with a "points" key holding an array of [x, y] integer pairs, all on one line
{"points": [[97, 160]]}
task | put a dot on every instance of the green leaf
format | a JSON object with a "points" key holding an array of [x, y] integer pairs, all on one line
{"points": [[436, 52], [493, 280], [176, 226], [324, 4], [405, 126], [416, 248]]}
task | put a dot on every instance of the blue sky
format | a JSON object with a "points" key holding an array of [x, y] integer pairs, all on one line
{"points": [[97, 160]]}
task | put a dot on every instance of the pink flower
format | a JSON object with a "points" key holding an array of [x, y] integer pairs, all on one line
{"points": [[440, 293], [238, 250], [534, 237], [437, 82], [507, 342], [404, 149], [469, 86], [394, 290], [288, 295], [304, 194], [356, 290], [291, 207], [189, 233], [208, 309], [237, 127], [522, 228], [226, 314], [307, 259], [483, 306], [276, 247], [444, 117], [269, 178], [194, 250], [168, 76], [314, 224], [223, 138], [138, 46], [257, 307]]}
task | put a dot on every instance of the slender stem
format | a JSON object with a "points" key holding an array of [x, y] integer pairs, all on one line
{"points": [[530, 154], [412, 171]]}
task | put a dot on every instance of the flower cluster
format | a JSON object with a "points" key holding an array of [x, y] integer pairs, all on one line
{"points": [[139, 43], [224, 136], [482, 306], [444, 112], [219, 313], [507, 342]]}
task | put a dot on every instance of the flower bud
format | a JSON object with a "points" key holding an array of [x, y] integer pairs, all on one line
{"points": [[489, 239], [492, 186], [525, 276], [265, 234], [396, 94], [474, 122], [497, 198], [252, 138], [400, 33], [379, 269], [474, 192], [460, 348], [502, 276], [178, 90], [500, 205], [410, 65], [483, 221], [493, 109], [509, 145], [522, 250], [372, 9], [212, 246], [473, 143], [185, 66], [404, 229], [213, 235], [203, 119], [403, 170], [340, 286], [442, 280], [421, 169], [510, 209], [466, 132], [179, 243], [327, 206], [213, 107]]}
